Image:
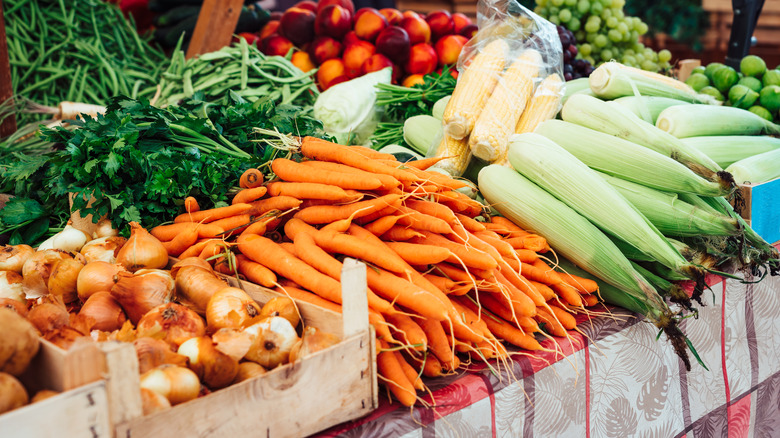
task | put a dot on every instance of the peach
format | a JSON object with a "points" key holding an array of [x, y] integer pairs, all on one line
{"points": [[376, 62], [307, 4], [469, 31], [418, 29], [269, 29], [355, 55], [441, 24], [460, 20], [346, 4], [333, 21], [338, 80], [449, 47], [350, 38], [324, 48], [297, 25], [275, 45], [393, 42], [412, 80], [368, 23], [393, 16], [422, 59], [412, 14], [329, 71], [302, 60], [248, 36], [276, 15]]}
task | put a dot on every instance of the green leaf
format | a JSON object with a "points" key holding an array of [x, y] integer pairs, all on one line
{"points": [[35, 230], [115, 202], [695, 354], [20, 210], [113, 163]]}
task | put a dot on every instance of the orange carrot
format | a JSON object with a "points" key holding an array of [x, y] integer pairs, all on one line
{"points": [[295, 226], [454, 273], [165, 233], [521, 302], [398, 233], [507, 224], [371, 153], [410, 332], [410, 372], [394, 377], [191, 204], [209, 231], [250, 178], [245, 196], [472, 225], [352, 246], [290, 247], [566, 319], [291, 171], [437, 339], [520, 282], [181, 242], [504, 330], [431, 367], [551, 324], [212, 248], [444, 284], [322, 150], [255, 272], [529, 241], [233, 225], [388, 182], [213, 214], [281, 203], [194, 250], [583, 285], [567, 292], [381, 225], [324, 214], [423, 222], [534, 273], [407, 294], [442, 181], [259, 226], [590, 300], [499, 305], [304, 190], [501, 246], [499, 229], [416, 254], [471, 318], [423, 163], [432, 209], [545, 290], [459, 203], [471, 257]]}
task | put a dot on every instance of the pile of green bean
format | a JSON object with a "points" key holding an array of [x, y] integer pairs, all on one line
{"points": [[77, 50], [241, 69]]}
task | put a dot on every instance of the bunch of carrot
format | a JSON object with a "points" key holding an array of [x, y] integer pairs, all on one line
{"points": [[443, 278]]}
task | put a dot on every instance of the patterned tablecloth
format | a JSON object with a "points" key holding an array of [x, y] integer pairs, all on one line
{"points": [[613, 379]]}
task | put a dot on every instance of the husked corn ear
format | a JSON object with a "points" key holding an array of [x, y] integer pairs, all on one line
{"points": [[509, 98], [612, 80], [473, 89], [544, 105], [459, 153]]}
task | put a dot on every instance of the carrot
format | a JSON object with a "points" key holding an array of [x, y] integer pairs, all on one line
{"points": [[289, 247], [305, 190], [444, 284], [472, 225], [454, 273], [234, 225], [322, 150], [567, 292], [590, 300], [451, 366], [507, 224], [551, 324], [281, 203], [410, 372], [295, 226], [566, 319], [324, 214], [352, 246], [226, 263], [410, 332], [245, 196], [432, 209], [429, 365], [472, 318], [529, 241], [437, 339], [397, 233], [493, 303], [520, 282], [259, 226], [499, 229], [423, 222], [423, 163], [394, 377], [442, 181], [524, 256], [534, 273], [191, 204], [213, 214], [459, 203], [194, 250], [381, 225], [520, 301], [583, 285], [291, 171], [501, 246], [416, 254], [251, 178], [387, 181], [165, 233], [212, 248], [545, 290], [209, 231], [255, 272], [461, 329], [376, 215], [181, 242], [504, 330], [418, 189], [370, 153], [469, 256], [407, 294]]}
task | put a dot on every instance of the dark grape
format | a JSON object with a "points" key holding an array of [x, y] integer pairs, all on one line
{"points": [[568, 76]]}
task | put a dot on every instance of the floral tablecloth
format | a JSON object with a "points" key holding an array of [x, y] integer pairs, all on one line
{"points": [[613, 379]]}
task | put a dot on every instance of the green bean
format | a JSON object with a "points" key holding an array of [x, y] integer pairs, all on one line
{"points": [[45, 81], [72, 89]]}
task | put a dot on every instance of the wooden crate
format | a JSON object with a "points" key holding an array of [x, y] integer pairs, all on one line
{"points": [[760, 208]]}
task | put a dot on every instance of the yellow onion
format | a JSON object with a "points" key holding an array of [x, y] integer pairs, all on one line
{"points": [[103, 249], [43, 394], [11, 285], [17, 306], [234, 343], [142, 251], [38, 268], [97, 277], [312, 341], [195, 286], [273, 338], [12, 393], [18, 342], [281, 306], [48, 316], [230, 307], [177, 384], [104, 229], [153, 402], [104, 311], [63, 279], [248, 370], [70, 239], [216, 369], [66, 337], [190, 261], [12, 257], [155, 352], [171, 322], [142, 291]]}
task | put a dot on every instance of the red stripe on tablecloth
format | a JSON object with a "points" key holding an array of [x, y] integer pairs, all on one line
{"points": [[492, 396], [587, 389], [739, 418], [723, 355]]}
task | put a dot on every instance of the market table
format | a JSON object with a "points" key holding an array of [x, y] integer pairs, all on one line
{"points": [[613, 379]]}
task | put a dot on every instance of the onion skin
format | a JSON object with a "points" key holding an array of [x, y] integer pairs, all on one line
{"points": [[63, 279], [47, 317], [274, 338], [43, 395], [155, 352], [103, 249], [38, 268], [142, 251], [97, 277], [177, 384], [248, 370], [314, 340], [216, 369], [281, 306], [12, 286], [195, 286], [18, 344], [12, 393], [171, 322], [153, 402], [142, 291], [12, 257], [190, 261], [105, 311], [17, 306], [230, 308]]}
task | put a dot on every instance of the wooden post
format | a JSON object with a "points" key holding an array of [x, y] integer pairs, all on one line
{"points": [[216, 24], [8, 126]]}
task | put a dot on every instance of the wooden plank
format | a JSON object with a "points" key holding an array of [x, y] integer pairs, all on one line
{"points": [[122, 381], [216, 24], [354, 293], [685, 67], [59, 370], [8, 126]]}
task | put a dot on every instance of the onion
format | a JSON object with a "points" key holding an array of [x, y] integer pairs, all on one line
{"points": [[230, 307], [104, 229], [171, 322], [103, 249], [142, 251], [97, 277], [43, 394], [63, 279], [12, 393], [314, 340], [153, 402], [195, 286], [12, 257], [18, 342], [11, 285], [70, 239], [177, 384], [48, 316], [104, 311], [190, 261], [19, 307], [37, 269], [216, 369], [232, 342], [274, 337], [66, 337], [248, 370], [142, 291], [284, 307], [155, 352]]}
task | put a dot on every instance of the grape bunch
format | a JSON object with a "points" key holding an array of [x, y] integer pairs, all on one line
{"points": [[604, 32], [573, 67]]}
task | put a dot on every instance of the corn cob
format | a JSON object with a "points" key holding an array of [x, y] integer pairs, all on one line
{"points": [[757, 169], [648, 107], [612, 80], [458, 152], [420, 132], [544, 105], [728, 149], [698, 120]]}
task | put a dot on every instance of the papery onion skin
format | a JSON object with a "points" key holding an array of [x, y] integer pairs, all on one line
{"points": [[47, 317], [195, 286], [142, 251], [153, 402], [142, 291], [12, 257], [66, 337], [281, 306], [314, 340], [103, 249], [230, 308], [18, 342], [171, 322], [106, 312], [104, 229], [12, 393], [274, 337], [216, 369], [63, 279], [177, 384], [12, 286], [19, 307], [38, 268], [248, 370], [97, 277], [190, 261], [43, 395], [155, 352]]}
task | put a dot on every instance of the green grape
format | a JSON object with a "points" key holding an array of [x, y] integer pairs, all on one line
{"points": [[612, 22], [665, 65], [592, 27], [594, 19], [579, 34], [570, 3], [596, 8], [583, 6], [622, 28], [590, 60], [557, 2], [649, 65], [600, 41], [618, 4], [606, 55], [641, 28], [554, 20], [640, 58], [649, 53], [629, 52], [552, 11], [614, 35], [541, 3], [585, 49], [629, 60], [565, 15], [606, 13], [574, 26], [591, 37], [606, 3], [619, 14]]}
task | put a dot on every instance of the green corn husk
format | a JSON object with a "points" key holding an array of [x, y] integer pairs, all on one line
{"points": [[757, 169], [728, 149], [699, 120], [648, 107], [612, 80], [420, 132], [576, 86]]}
